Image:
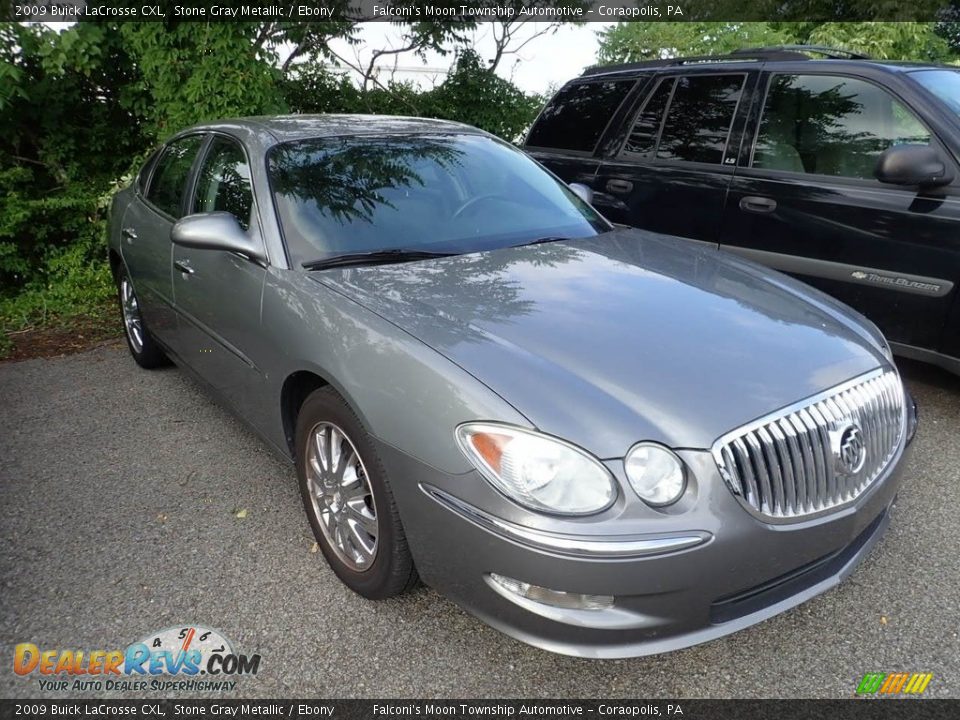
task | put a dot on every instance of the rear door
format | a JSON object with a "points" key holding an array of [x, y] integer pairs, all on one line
{"points": [[565, 136], [671, 171], [217, 293], [805, 201], [145, 242]]}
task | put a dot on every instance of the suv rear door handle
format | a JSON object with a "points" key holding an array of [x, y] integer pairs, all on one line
{"points": [[619, 186], [755, 204]]}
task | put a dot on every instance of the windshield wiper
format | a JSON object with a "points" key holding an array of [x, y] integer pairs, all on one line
{"points": [[541, 241], [373, 257]]}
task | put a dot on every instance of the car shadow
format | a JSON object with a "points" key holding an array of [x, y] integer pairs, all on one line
{"points": [[937, 378]]}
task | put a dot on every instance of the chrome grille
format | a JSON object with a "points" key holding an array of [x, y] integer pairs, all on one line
{"points": [[791, 464]]}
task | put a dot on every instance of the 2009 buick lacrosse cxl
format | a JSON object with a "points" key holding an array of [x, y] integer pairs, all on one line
{"points": [[601, 441]]}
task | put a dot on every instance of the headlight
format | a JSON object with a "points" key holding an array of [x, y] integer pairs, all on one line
{"points": [[655, 473], [537, 471]]}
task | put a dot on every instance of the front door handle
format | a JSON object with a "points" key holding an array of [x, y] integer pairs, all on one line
{"points": [[755, 204], [183, 266], [619, 186], [129, 233]]}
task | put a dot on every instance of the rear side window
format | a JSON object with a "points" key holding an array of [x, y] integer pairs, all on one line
{"points": [[169, 181], [699, 118], [831, 125], [646, 127], [577, 116], [145, 172], [224, 182]]}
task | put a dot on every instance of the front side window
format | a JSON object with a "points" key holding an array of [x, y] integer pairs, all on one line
{"points": [[439, 193], [830, 125], [224, 182], [699, 118], [575, 119], [169, 180]]}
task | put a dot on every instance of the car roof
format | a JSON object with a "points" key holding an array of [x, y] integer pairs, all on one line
{"points": [[284, 128]]}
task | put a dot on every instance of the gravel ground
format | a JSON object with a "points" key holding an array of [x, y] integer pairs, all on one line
{"points": [[120, 495]]}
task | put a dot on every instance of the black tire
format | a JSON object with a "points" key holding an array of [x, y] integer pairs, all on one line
{"points": [[391, 571], [145, 352]]}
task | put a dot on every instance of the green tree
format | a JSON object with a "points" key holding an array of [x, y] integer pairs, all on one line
{"points": [[635, 41], [68, 133], [472, 93], [629, 42], [476, 95], [884, 40], [192, 72], [82, 106]]}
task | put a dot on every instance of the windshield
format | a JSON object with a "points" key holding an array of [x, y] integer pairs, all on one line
{"points": [[437, 193], [945, 84]]}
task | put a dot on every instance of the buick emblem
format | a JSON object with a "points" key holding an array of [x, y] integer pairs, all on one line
{"points": [[849, 449]]}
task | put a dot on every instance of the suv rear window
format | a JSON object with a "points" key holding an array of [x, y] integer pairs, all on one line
{"points": [[578, 114], [699, 119]]}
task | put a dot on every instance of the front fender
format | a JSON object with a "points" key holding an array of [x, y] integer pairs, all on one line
{"points": [[406, 394]]}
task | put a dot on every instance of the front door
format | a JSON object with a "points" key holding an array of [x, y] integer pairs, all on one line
{"points": [[672, 172], [217, 293], [804, 200], [145, 243]]}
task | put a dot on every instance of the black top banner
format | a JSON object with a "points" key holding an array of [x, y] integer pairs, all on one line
{"points": [[485, 709], [478, 10]]}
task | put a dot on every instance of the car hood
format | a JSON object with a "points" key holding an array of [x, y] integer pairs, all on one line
{"points": [[623, 337]]}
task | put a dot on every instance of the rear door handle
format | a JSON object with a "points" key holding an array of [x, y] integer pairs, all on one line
{"points": [[755, 204], [619, 186], [129, 233], [183, 266]]}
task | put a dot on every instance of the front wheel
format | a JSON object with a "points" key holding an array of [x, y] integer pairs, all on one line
{"points": [[349, 501], [142, 346]]}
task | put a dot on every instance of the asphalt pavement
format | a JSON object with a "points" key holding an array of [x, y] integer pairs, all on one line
{"points": [[130, 502]]}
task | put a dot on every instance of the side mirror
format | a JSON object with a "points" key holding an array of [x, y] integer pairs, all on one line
{"points": [[917, 165], [215, 231], [583, 192]]}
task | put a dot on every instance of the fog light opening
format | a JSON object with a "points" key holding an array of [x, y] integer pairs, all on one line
{"points": [[518, 590]]}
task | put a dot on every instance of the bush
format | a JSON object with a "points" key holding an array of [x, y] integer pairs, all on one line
{"points": [[60, 270], [471, 94], [83, 106]]}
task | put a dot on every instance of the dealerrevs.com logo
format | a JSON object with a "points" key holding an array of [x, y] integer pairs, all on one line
{"points": [[188, 658]]}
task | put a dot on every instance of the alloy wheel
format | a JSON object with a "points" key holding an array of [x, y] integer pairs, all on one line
{"points": [[341, 496], [132, 321]]}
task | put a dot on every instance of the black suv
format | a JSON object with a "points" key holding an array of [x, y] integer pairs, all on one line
{"points": [[841, 171]]}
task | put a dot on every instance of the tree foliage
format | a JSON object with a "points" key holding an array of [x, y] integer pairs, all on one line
{"points": [[82, 106], [629, 42], [635, 41], [471, 94]]}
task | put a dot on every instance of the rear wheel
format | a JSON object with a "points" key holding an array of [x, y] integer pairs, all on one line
{"points": [[141, 343], [349, 501]]}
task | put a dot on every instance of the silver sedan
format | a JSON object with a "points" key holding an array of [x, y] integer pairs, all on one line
{"points": [[601, 441]]}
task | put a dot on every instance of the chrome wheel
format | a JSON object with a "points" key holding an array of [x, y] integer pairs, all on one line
{"points": [[341, 497], [132, 321]]}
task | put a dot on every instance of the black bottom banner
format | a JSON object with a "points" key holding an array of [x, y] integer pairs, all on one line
{"points": [[867, 709]]}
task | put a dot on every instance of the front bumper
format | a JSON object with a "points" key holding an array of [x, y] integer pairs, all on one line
{"points": [[725, 569]]}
